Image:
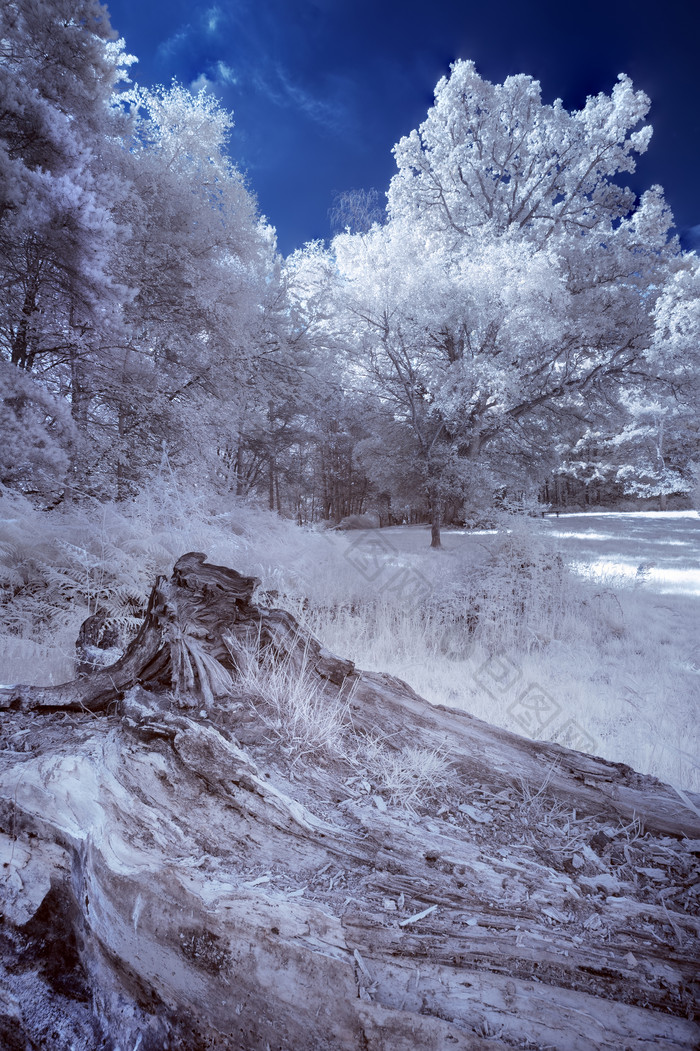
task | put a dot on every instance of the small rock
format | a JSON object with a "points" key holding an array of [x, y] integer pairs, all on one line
{"points": [[599, 842], [475, 814], [604, 881]]}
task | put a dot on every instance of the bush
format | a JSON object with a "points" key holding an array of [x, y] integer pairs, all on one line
{"points": [[367, 521], [520, 598]]}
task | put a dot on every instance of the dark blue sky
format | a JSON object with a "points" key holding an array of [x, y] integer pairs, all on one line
{"points": [[322, 89]]}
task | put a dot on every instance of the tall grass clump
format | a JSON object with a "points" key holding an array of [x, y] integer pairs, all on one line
{"points": [[505, 592], [408, 778], [292, 701], [522, 597]]}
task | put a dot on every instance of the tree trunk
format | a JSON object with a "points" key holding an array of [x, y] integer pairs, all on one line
{"points": [[436, 520], [195, 858], [21, 355], [271, 482]]}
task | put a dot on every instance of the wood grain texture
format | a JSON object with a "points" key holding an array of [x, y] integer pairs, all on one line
{"points": [[219, 887]]}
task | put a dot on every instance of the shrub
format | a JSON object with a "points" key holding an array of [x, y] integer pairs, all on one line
{"points": [[367, 521]]}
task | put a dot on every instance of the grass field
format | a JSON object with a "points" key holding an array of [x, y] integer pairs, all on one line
{"points": [[605, 659], [584, 629]]}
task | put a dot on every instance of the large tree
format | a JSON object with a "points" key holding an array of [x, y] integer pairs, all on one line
{"points": [[513, 276], [647, 441], [201, 264]]}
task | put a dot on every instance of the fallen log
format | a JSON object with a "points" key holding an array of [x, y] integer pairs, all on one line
{"points": [[232, 838]]}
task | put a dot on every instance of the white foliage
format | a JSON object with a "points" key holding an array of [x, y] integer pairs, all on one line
{"points": [[513, 275]]}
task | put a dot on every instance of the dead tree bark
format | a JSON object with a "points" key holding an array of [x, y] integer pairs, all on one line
{"points": [[184, 869]]}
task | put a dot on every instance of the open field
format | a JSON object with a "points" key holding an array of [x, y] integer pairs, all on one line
{"points": [[606, 659]]}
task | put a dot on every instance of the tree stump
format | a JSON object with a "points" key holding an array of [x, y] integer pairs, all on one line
{"points": [[185, 867]]}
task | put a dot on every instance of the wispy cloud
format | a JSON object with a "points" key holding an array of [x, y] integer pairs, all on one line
{"points": [[212, 81], [202, 83], [213, 19], [256, 50], [226, 73], [281, 89], [173, 44]]}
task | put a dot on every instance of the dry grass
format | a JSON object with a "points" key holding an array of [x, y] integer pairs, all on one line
{"points": [[292, 701], [409, 778]]}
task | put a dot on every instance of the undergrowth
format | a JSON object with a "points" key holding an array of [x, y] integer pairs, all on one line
{"points": [[310, 724], [407, 778], [58, 567]]}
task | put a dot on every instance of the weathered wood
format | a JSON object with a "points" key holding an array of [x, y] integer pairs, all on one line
{"points": [[219, 885]]}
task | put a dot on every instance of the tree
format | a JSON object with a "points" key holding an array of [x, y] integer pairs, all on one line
{"points": [[652, 470], [135, 270], [647, 438], [60, 302], [664, 428], [314, 426], [38, 435], [58, 71], [356, 211], [513, 276], [199, 259], [445, 340]]}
